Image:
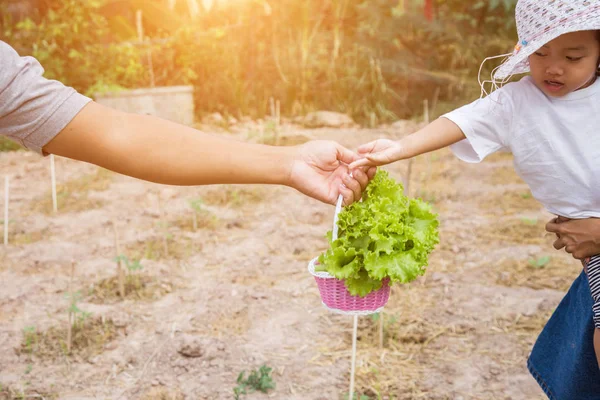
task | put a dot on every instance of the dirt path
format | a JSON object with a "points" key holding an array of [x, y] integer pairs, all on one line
{"points": [[235, 294]]}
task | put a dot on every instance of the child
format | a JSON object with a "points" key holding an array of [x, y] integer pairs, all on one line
{"points": [[550, 121]]}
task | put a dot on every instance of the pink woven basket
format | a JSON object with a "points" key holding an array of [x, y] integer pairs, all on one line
{"points": [[336, 297]]}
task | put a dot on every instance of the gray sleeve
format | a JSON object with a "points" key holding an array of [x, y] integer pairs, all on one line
{"points": [[33, 109]]}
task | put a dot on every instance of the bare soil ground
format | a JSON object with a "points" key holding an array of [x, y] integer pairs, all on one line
{"points": [[235, 294]]}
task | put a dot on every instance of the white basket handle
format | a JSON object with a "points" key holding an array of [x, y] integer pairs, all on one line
{"points": [[338, 209]]}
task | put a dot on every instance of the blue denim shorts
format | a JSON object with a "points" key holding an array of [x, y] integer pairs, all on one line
{"points": [[563, 360]]}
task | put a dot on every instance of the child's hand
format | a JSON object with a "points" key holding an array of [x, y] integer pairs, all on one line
{"points": [[378, 152]]}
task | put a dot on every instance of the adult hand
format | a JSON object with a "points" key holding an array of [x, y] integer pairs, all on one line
{"points": [[320, 170], [378, 152], [579, 237]]}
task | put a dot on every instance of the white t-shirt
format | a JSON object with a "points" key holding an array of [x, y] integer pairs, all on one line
{"points": [[555, 142]]}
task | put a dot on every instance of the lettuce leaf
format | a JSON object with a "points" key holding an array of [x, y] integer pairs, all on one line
{"points": [[387, 235]]}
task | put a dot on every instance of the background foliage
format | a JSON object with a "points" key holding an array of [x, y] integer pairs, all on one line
{"points": [[375, 60]]}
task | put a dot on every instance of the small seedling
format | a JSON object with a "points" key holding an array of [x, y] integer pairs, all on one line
{"points": [[30, 338], [260, 380], [529, 221], [526, 195], [540, 262], [76, 316], [196, 206], [132, 267], [356, 396]]}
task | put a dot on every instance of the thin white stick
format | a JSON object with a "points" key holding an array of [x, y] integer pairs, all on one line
{"points": [[354, 334], [53, 176], [6, 197], [71, 316]]}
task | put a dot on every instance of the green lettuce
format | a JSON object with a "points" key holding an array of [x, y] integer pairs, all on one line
{"points": [[387, 235]]}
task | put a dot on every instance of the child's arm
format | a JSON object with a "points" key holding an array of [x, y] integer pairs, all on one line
{"points": [[439, 134]]}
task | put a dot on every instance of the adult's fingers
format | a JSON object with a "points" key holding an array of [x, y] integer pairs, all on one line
{"points": [[353, 185], [347, 195], [361, 177], [371, 172], [345, 155]]}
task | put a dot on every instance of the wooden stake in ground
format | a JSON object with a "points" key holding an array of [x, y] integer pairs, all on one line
{"points": [[353, 367], [381, 329], [53, 178], [140, 32], [70, 314], [277, 121], [164, 227], [6, 197], [195, 219], [120, 272], [427, 120]]}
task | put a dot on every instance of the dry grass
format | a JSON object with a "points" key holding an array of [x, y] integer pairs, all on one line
{"points": [[224, 324], [10, 393], [558, 273], [179, 248], [23, 237], [504, 176], [509, 203], [234, 195], [137, 287], [89, 339], [204, 220], [515, 231], [161, 393], [72, 196]]}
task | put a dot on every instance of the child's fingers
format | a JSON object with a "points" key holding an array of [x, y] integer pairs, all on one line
{"points": [[363, 162], [367, 147]]}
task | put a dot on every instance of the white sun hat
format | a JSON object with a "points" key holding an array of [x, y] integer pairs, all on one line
{"points": [[541, 21]]}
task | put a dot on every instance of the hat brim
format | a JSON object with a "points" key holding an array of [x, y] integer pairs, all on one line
{"points": [[518, 63]]}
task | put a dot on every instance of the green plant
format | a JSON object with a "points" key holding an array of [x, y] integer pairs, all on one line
{"points": [[387, 235], [71, 40], [8, 145], [375, 60], [133, 266], [79, 316], [30, 338], [356, 396], [526, 195], [540, 262], [260, 380], [529, 221], [197, 208]]}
